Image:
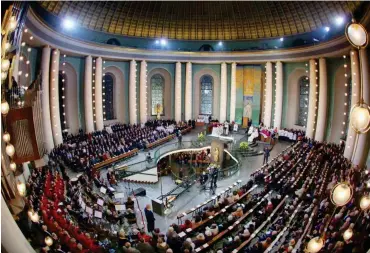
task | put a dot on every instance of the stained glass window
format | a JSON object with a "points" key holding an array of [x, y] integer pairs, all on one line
{"points": [[108, 103], [304, 88], [157, 85], [206, 95]]}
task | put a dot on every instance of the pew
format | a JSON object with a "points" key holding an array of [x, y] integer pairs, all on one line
{"points": [[114, 159]]}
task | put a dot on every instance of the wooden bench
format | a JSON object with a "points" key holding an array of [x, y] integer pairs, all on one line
{"points": [[186, 130], [109, 161], [160, 141]]}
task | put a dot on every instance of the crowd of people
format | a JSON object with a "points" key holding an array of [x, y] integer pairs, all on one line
{"points": [[184, 158], [283, 205], [83, 150]]}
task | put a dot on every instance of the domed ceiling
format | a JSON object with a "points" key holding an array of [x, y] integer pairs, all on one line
{"points": [[196, 20]]}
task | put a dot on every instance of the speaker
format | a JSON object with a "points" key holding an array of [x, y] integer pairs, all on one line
{"points": [[139, 192]]}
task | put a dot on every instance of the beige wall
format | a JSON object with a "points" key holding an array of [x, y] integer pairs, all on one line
{"points": [[216, 92], [339, 109], [168, 107], [71, 100], [293, 98], [118, 95]]}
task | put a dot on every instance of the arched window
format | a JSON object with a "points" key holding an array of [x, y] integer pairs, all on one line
{"points": [[157, 86], [304, 88], [108, 103], [206, 95]]}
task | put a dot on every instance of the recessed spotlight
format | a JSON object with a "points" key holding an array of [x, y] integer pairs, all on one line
{"points": [[157, 42], [220, 43], [163, 42], [327, 28], [281, 39], [339, 21], [68, 23]]}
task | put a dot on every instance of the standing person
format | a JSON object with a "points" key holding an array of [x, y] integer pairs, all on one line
{"points": [[149, 218], [181, 173], [266, 154], [180, 139]]}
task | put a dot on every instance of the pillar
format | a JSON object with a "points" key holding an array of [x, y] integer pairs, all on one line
{"points": [[188, 92], [10, 232], [355, 77], [323, 98], [278, 95], [233, 92], [178, 92], [310, 128], [143, 93], [223, 96], [362, 146], [268, 96], [54, 95], [132, 93], [99, 117], [89, 119], [46, 121]]}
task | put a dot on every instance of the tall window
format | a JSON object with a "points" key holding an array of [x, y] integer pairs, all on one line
{"points": [[206, 95], [157, 86], [108, 101], [304, 88]]}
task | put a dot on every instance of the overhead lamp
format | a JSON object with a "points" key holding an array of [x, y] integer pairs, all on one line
{"points": [[220, 43], [315, 245], [327, 28], [163, 42], [21, 187], [365, 203], [341, 194], [5, 63], [6, 137], [4, 107], [9, 150], [360, 113], [348, 234], [281, 39], [13, 166]]}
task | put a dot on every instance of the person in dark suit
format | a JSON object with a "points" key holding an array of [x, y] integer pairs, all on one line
{"points": [[149, 218]]}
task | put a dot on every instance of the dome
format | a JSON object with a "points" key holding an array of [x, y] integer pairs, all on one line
{"points": [[202, 20]]}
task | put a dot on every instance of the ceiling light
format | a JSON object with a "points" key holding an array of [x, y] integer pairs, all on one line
{"points": [[281, 39], [327, 28], [220, 43], [68, 23], [163, 42], [157, 42], [339, 21]]}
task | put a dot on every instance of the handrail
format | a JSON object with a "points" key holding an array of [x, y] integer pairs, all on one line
{"points": [[241, 246], [222, 210], [230, 228]]}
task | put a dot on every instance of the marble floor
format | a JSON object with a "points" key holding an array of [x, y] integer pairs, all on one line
{"points": [[194, 196]]}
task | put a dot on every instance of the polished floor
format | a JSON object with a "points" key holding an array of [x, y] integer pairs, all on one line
{"points": [[194, 196]]}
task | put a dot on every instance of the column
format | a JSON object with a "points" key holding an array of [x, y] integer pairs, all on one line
{"points": [[143, 93], [362, 146], [132, 93], [99, 117], [54, 94], [89, 119], [233, 92], [310, 128], [223, 91], [10, 232], [279, 95], [188, 91], [46, 121], [323, 98], [178, 92], [356, 86], [268, 96]]}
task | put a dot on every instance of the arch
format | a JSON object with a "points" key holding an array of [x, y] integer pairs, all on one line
{"points": [[304, 88], [157, 92], [108, 97], [206, 95], [71, 105], [167, 91], [216, 92], [292, 112], [118, 95], [339, 108]]}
